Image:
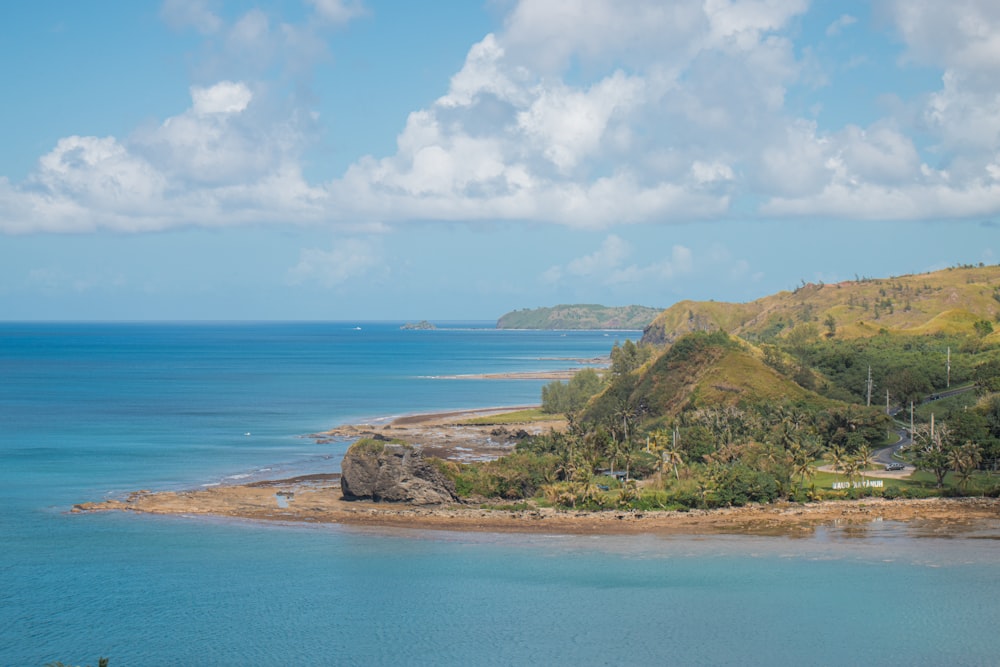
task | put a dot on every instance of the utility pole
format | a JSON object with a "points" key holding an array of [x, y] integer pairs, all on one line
{"points": [[948, 367], [886, 401], [911, 422], [869, 386]]}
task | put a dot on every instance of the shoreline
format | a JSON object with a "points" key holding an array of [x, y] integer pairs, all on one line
{"points": [[316, 498]]}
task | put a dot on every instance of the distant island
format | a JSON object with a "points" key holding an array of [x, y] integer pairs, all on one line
{"points": [[580, 316], [422, 325]]}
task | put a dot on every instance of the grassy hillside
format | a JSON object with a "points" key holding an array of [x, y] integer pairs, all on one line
{"points": [[701, 370], [580, 316], [951, 301]]}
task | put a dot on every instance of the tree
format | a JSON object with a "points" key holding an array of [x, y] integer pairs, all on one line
{"points": [[964, 461], [933, 452], [672, 457], [665, 444], [569, 397], [908, 384], [864, 456], [838, 457], [851, 467], [629, 357], [987, 376], [831, 326], [802, 454]]}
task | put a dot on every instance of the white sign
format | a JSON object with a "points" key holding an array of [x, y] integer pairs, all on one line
{"points": [[864, 484]]}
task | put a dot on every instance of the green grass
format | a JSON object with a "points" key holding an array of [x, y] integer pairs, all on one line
{"points": [[918, 480], [515, 417], [373, 446], [941, 407]]}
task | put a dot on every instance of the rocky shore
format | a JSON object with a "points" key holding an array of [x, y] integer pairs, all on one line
{"points": [[319, 499]]}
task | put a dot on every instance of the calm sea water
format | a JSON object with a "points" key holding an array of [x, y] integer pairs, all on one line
{"points": [[90, 410]]}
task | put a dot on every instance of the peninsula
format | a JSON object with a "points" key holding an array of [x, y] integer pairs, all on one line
{"points": [[580, 316], [734, 417]]}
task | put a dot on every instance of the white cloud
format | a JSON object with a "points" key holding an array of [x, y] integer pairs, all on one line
{"points": [[251, 34], [584, 113], [207, 166], [349, 259], [567, 125], [609, 265], [744, 23], [223, 97], [961, 34], [837, 27], [338, 11], [879, 172], [610, 256]]}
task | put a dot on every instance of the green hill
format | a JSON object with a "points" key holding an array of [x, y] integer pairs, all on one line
{"points": [[701, 370], [580, 316], [951, 301]]}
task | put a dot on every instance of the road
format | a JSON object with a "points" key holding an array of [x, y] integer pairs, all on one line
{"points": [[884, 456]]}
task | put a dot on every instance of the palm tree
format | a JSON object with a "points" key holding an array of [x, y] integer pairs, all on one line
{"points": [[964, 461], [864, 458], [802, 463], [852, 465], [656, 441], [838, 457], [628, 493], [672, 457], [705, 486]]}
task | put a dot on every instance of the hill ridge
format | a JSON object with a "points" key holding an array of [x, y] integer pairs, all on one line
{"points": [[951, 301]]}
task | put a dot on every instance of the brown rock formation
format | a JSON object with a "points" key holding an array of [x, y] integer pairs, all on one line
{"points": [[393, 472]]}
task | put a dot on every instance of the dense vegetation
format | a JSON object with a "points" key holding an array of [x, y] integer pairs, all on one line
{"points": [[716, 419], [580, 316]]}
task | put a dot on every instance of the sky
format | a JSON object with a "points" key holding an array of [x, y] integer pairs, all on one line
{"points": [[458, 159]]}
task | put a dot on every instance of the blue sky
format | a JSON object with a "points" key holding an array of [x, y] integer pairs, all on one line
{"points": [[367, 159]]}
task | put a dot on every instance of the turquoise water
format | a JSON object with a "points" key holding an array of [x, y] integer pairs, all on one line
{"points": [[88, 410]]}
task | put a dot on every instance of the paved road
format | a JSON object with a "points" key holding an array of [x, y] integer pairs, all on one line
{"points": [[884, 456]]}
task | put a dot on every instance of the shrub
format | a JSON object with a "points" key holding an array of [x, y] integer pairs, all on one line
{"points": [[739, 485]]}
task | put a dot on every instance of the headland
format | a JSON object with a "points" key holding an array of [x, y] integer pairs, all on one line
{"points": [[468, 435]]}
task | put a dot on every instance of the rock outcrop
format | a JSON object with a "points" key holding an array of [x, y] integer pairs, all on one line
{"points": [[393, 472]]}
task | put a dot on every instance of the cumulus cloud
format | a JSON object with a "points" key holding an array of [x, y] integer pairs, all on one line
{"points": [[223, 97], [585, 113], [205, 166], [878, 172]]}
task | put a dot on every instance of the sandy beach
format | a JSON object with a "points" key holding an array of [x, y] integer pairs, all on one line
{"points": [[317, 498]]}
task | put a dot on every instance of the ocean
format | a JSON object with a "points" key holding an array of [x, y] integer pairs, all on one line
{"points": [[90, 410]]}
